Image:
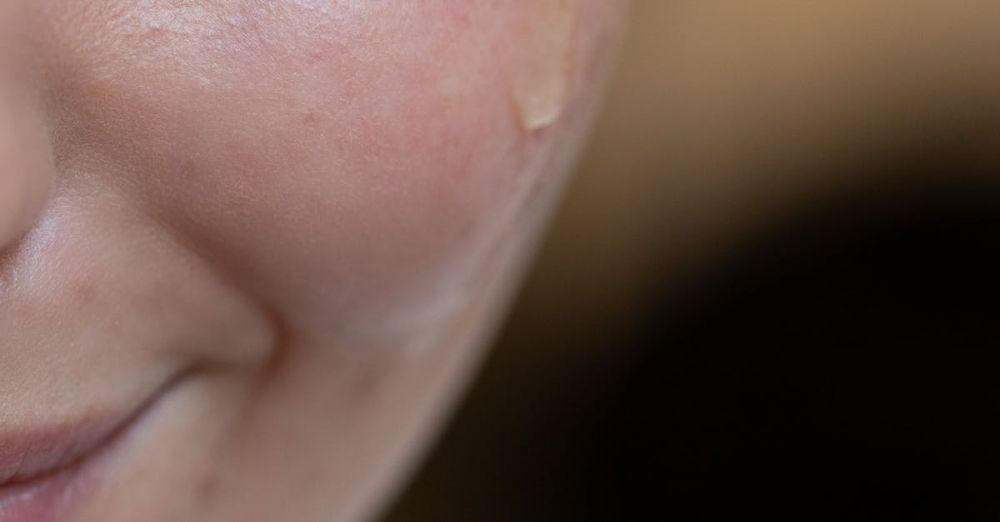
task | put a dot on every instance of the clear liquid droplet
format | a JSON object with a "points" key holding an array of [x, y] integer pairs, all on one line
{"points": [[542, 83]]}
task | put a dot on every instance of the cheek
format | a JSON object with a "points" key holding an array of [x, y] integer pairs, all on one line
{"points": [[335, 211], [330, 162], [371, 176]]}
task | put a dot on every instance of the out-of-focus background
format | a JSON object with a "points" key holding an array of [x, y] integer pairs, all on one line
{"points": [[772, 289]]}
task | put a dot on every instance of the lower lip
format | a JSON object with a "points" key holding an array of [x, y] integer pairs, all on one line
{"points": [[45, 499]]}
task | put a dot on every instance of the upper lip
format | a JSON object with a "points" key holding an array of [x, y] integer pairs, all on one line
{"points": [[30, 454]]}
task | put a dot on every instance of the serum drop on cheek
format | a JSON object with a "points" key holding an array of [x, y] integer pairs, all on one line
{"points": [[542, 83]]}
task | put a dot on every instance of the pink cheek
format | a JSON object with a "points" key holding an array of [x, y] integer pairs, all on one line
{"points": [[407, 195], [325, 171], [398, 169], [361, 200]]}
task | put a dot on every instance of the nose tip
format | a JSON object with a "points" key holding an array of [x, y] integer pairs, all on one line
{"points": [[25, 167]]}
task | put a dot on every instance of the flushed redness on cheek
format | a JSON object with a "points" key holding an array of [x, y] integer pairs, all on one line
{"points": [[542, 82]]}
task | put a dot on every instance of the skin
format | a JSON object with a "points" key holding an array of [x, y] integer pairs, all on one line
{"points": [[296, 221]]}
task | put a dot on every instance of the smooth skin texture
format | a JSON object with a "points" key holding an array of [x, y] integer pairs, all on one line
{"points": [[305, 215]]}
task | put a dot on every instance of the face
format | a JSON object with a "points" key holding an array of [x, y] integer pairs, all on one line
{"points": [[250, 249]]}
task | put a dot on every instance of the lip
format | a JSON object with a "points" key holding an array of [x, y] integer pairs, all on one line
{"points": [[46, 471]]}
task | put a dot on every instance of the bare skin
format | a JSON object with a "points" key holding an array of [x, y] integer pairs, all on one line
{"points": [[263, 241]]}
